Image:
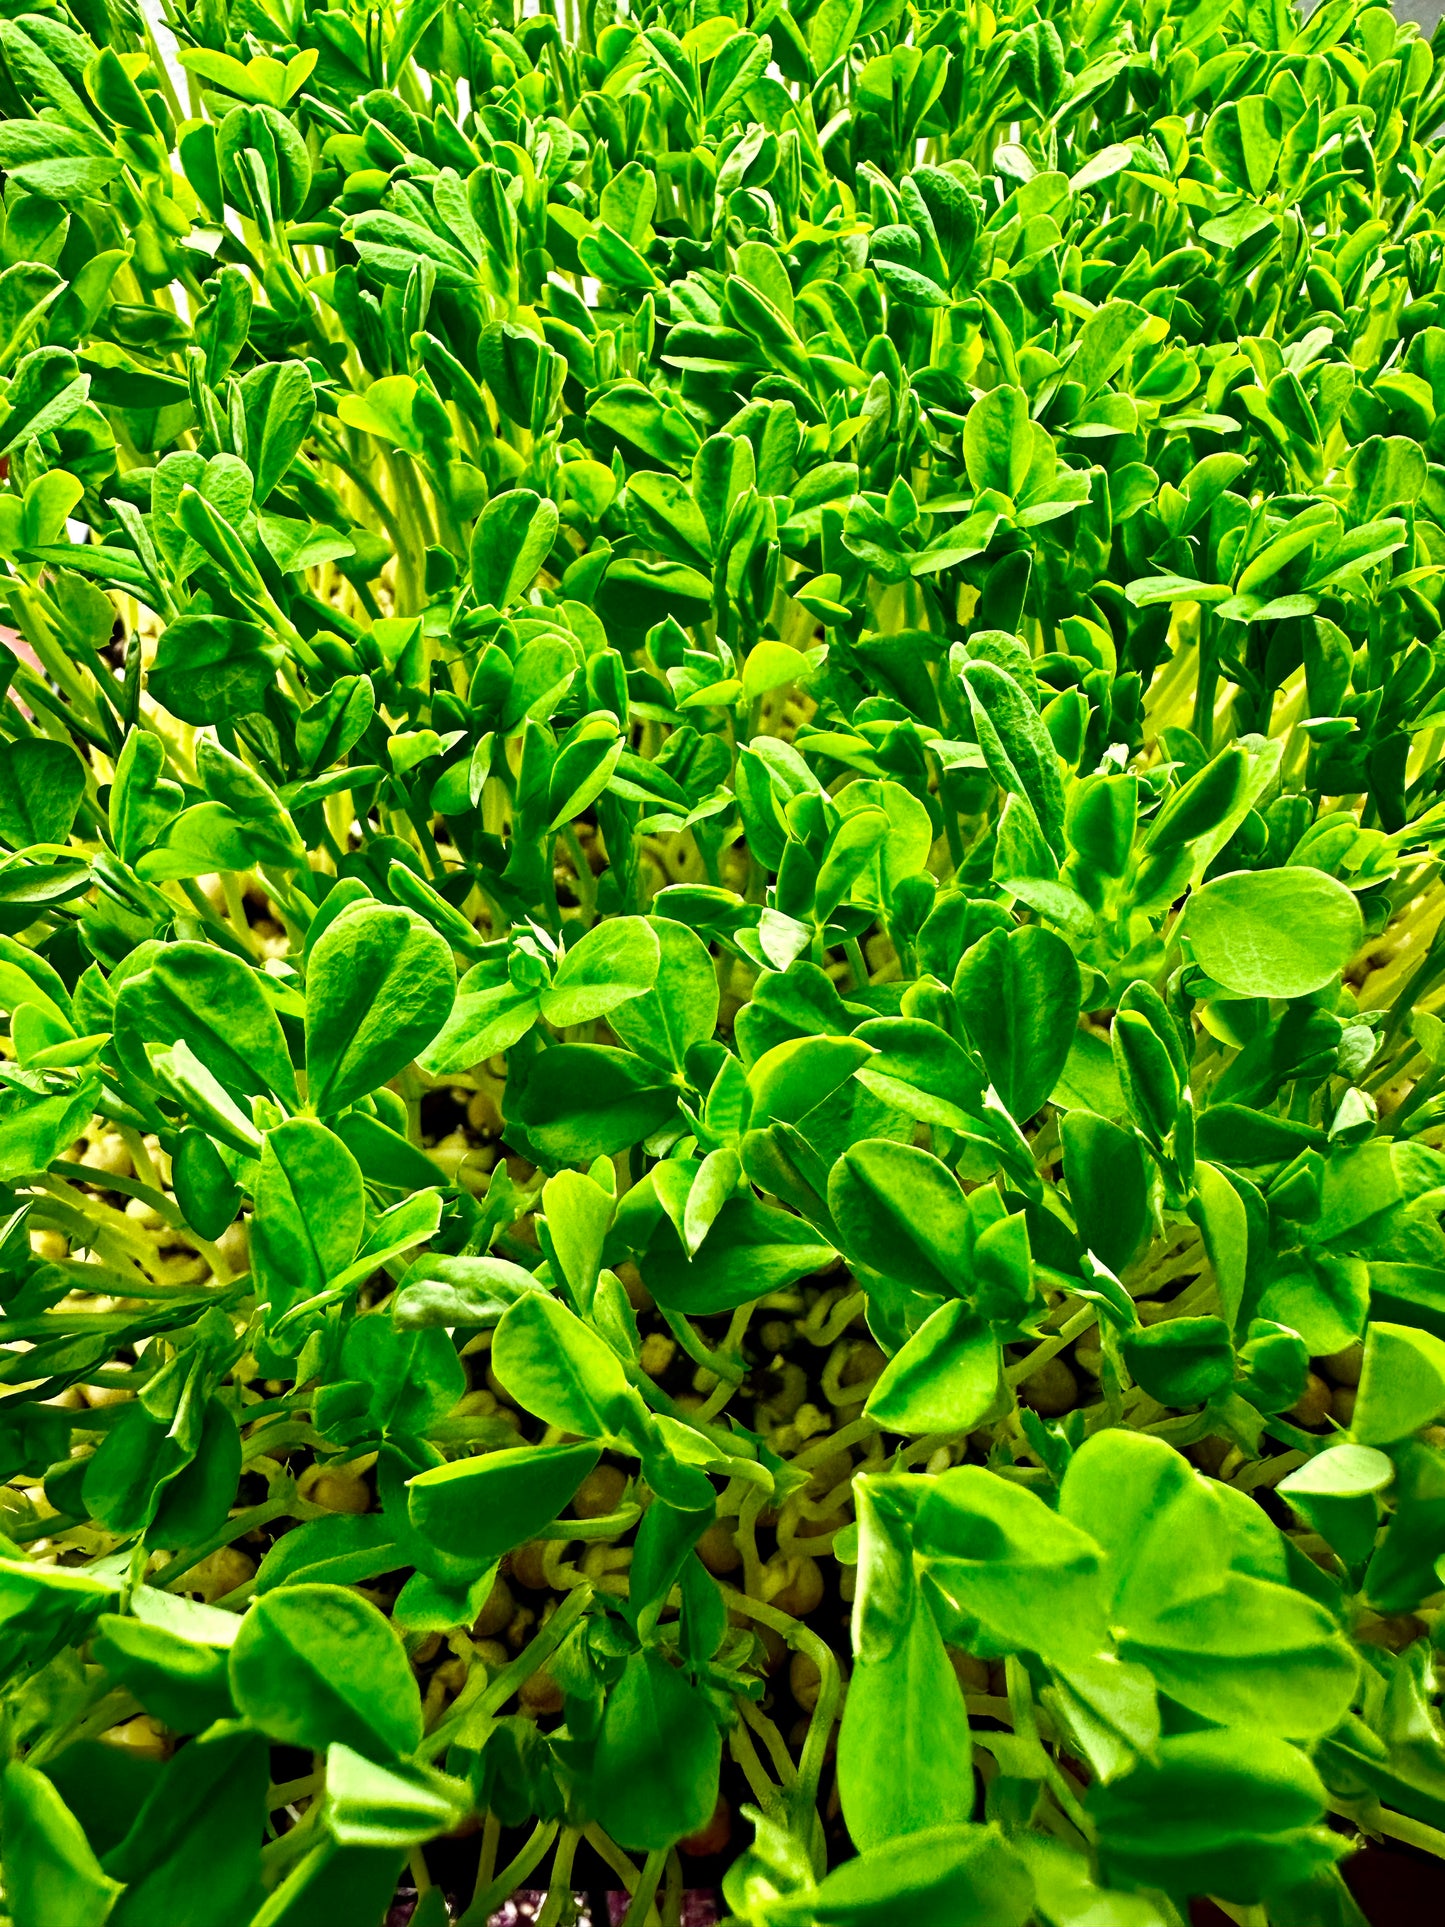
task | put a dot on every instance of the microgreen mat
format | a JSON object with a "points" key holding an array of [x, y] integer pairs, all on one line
{"points": [[721, 798]]}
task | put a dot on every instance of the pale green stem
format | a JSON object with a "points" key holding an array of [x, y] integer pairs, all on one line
{"points": [[485, 1903], [640, 1912]]}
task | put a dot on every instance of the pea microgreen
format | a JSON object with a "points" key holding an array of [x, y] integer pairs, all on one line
{"points": [[722, 1136]]}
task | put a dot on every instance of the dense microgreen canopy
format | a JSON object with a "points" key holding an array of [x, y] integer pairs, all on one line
{"points": [[720, 924]]}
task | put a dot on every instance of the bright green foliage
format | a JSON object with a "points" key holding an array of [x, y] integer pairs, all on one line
{"points": [[721, 811]]}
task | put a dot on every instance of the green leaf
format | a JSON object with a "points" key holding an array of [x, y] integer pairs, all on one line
{"points": [[69, 181], [794, 1078], [902, 1212], [1183, 1361], [945, 1379], [655, 1769], [213, 669], [1214, 1817], [557, 1368], [680, 1007], [750, 1249], [440, 1290], [1336, 1493], [850, 852], [184, 1683], [1402, 1383], [279, 402], [45, 394], [341, 1549], [126, 1474], [209, 838], [310, 1212], [35, 1131], [1028, 1577], [315, 1665], [52, 1877], [904, 1706], [379, 985], [661, 510], [481, 1508], [1108, 1186], [998, 442], [1273, 933], [1201, 804], [482, 1024], [1017, 747], [1139, 1500], [41, 787], [369, 1805], [771, 665], [1018, 992], [192, 1853], [388, 408], [42, 1609], [578, 1215], [582, 771], [513, 536], [1105, 341], [614, 962], [1243, 139], [1220, 1213], [183, 1076], [1069, 1894], [960, 1876], [387, 1159], [1340, 1472], [920, 1070], [26, 978], [210, 999], [197, 1501], [142, 800], [585, 1101]]}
